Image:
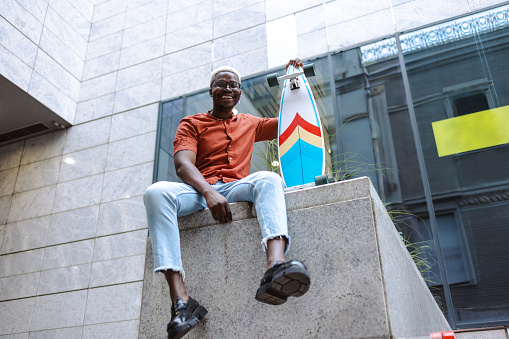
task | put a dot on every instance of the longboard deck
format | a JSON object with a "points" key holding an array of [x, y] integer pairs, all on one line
{"points": [[301, 146]]}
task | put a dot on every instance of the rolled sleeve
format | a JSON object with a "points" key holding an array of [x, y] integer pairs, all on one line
{"points": [[266, 128], [186, 137]]}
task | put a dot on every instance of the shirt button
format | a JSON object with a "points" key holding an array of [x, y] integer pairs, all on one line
{"points": [[231, 158], [229, 145]]}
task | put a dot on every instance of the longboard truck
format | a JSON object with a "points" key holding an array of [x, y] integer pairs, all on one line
{"points": [[308, 71]]}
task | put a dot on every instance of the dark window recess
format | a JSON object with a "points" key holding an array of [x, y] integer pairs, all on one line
{"points": [[22, 132], [453, 250], [470, 104]]}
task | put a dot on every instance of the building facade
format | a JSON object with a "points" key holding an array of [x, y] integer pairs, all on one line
{"points": [[72, 222]]}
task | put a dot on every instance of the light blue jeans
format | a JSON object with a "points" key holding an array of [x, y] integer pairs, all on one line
{"points": [[165, 201]]}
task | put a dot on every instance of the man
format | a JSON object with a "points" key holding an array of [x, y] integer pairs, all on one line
{"points": [[212, 154]]}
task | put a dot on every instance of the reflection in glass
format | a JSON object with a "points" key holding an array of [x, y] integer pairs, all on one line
{"points": [[464, 72]]}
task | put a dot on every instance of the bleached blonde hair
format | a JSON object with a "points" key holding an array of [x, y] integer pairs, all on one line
{"points": [[223, 69]]}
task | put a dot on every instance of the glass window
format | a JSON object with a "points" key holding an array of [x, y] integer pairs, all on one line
{"points": [[455, 251], [456, 69]]}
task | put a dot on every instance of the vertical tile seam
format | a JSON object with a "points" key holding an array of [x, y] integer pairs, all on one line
{"points": [[468, 5], [50, 217], [102, 56], [95, 235], [155, 146], [115, 88], [15, 191], [74, 30], [40, 216], [37, 51], [92, 18], [83, 68], [212, 56], [162, 58], [391, 6], [100, 196], [44, 26], [32, 315], [77, 77], [326, 26], [18, 166], [111, 16], [72, 27], [266, 35], [143, 283], [77, 10]]}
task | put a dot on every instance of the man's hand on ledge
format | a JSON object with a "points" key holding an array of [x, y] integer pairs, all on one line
{"points": [[218, 205]]}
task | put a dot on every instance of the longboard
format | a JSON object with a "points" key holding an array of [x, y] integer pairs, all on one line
{"points": [[300, 137]]}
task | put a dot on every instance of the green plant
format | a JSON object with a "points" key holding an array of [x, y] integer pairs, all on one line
{"points": [[420, 251], [269, 158], [349, 165]]}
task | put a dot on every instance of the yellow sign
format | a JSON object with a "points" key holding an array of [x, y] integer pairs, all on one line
{"points": [[472, 131]]}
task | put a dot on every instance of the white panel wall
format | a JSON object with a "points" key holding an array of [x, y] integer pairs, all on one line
{"points": [[43, 46], [72, 222]]}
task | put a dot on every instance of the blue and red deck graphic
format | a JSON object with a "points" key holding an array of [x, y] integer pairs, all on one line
{"points": [[300, 151]]}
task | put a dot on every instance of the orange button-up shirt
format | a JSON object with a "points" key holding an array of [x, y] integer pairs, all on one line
{"points": [[223, 147]]}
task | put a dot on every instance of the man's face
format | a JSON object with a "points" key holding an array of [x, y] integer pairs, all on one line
{"points": [[225, 97]]}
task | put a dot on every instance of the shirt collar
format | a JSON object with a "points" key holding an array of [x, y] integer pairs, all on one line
{"points": [[233, 118]]}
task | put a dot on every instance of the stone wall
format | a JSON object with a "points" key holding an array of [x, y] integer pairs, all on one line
{"points": [[363, 282]]}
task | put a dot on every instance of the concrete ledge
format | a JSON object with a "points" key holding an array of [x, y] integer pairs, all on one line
{"points": [[364, 283]]}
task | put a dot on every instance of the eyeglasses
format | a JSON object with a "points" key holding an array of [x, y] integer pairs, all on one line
{"points": [[223, 84]]}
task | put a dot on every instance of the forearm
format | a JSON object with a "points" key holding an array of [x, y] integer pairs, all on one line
{"points": [[189, 174]]}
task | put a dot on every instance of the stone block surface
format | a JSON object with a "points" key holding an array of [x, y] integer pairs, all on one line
{"points": [[363, 282]]}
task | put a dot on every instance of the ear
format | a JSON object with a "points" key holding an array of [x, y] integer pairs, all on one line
{"points": [[210, 91], [238, 102]]}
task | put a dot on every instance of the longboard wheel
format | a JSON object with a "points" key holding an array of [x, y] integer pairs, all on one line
{"points": [[321, 179], [273, 80], [309, 70]]}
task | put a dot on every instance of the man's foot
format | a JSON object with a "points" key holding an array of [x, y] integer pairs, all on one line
{"points": [[184, 316], [283, 280]]}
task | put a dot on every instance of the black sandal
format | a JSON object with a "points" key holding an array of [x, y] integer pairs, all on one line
{"points": [[283, 280], [184, 316]]}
